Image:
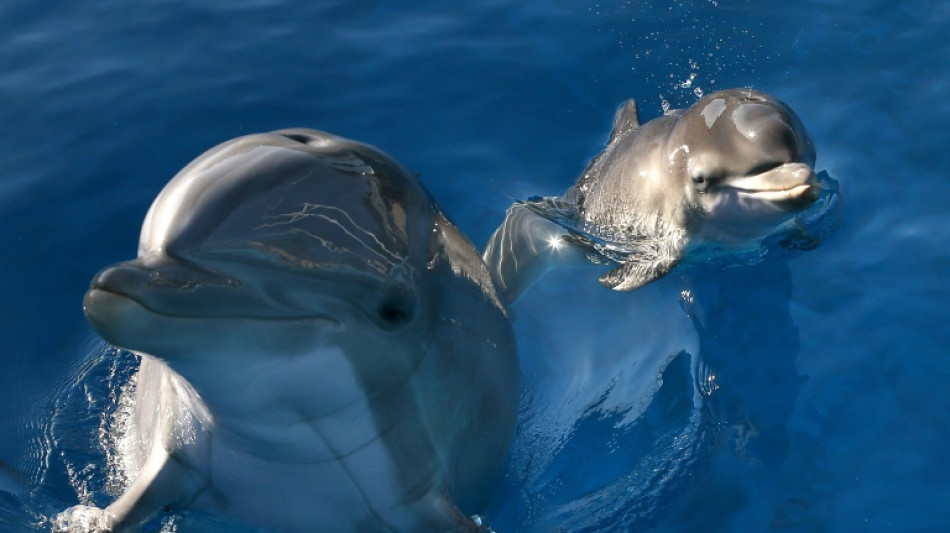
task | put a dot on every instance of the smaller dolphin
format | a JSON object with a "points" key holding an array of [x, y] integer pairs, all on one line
{"points": [[729, 170], [322, 350]]}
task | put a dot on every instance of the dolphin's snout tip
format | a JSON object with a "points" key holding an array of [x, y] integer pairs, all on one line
{"points": [[797, 198], [134, 276], [95, 303], [811, 193], [108, 285], [113, 277], [810, 189]]}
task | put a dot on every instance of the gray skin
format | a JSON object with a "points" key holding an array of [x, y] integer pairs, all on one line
{"points": [[728, 170], [322, 350]]}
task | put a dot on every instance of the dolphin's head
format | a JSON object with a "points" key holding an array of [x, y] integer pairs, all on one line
{"points": [[318, 301], [746, 161], [268, 249]]}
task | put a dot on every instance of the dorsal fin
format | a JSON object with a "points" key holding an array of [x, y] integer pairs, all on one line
{"points": [[625, 120]]}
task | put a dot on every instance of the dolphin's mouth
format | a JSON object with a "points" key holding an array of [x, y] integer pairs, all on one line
{"points": [[97, 299], [807, 192], [182, 291], [787, 185]]}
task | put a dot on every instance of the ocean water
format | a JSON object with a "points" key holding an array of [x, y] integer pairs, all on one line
{"points": [[828, 404]]}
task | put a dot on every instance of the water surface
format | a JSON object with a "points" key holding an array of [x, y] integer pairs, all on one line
{"points": [[831, 408]]}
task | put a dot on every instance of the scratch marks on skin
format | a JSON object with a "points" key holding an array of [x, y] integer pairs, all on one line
{"points": [[366, 238], [164, 279], [381, 440], [349, 473], [376, 397], [337, 455]]}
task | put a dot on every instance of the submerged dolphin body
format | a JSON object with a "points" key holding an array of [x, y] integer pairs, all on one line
{"points": [[322, 350], [10, 481], [729, 170]]}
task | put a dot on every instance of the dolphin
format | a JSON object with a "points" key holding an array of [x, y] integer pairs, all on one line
{"points": [[321, 348], [727, 172]]}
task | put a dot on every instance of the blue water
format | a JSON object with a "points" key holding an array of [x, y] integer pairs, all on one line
{"points": [[831, 367]]}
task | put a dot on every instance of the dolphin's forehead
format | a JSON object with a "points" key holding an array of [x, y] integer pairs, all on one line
{"points": [[737, 130], [303, 202], [766, 128]]}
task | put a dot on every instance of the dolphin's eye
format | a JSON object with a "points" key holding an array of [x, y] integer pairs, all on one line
{"points": [[395, 312], [392, 313], [701, 182]]}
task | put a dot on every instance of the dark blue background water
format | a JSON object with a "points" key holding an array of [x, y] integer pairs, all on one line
{"points": [[102, 102]]}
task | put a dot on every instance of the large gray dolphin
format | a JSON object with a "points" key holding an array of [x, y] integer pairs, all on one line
{"points": [[728, 170], [322, 350]]}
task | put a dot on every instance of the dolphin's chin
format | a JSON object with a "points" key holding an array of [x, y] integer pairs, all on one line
{"points": [[105, 306], [119, 319]]}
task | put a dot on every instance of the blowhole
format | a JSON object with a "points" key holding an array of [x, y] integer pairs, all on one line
{"points": [[299, 137]]}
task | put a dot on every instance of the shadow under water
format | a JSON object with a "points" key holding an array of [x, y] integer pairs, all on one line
{"points": [[616, 416], [748, 336], [627, 397]]}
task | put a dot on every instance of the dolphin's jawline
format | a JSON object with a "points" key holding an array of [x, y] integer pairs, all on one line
{"points": [[153, 311]]}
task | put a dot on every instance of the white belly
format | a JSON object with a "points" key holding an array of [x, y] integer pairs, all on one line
{"points": [[292, 470], [355, 493]]}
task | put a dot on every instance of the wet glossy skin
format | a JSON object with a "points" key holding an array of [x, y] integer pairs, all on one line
{"points": [[729, 170], [324, 349], [737, 157]]}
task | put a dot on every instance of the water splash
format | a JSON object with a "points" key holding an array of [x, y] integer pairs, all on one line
{"points": [[710, 44], [646, 242], [82, 519], [120, 440], [665, 105], [805, 232]]}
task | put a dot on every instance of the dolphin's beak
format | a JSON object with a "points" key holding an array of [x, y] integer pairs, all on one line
{"points": [[184, 289], [168, 287], [234, 287], [168, 307], [790, 185]]}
